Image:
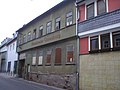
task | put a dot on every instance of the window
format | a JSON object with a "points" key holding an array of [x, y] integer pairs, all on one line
{"points": [[94, 45], [34, 34], [58, 56], [29, 36], [101, 6], [10, 47], [90, 10], [49, 55], [49, 27], [41, 31], [9, 67], [20, 39], [24, 38], [57, 24], [13, 46], [70, 53], [116, 39], [69, 19], [34, 59], [105, 41], [40, 61]]}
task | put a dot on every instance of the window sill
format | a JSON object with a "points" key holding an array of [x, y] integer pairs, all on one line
{"points": [[33, 65], [48, 65], [70, 63], [94, 51], [57, 64], [105, 50], [116, 48], [40, 65]]}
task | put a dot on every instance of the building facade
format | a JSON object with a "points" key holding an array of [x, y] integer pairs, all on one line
{"points": [[99, 37], [12, 56], [47, 49], [3, 54]]}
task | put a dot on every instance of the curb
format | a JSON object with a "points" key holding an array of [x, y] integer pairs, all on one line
{"points": [[44, 85]]}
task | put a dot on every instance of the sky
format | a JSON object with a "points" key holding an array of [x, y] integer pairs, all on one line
{"points": [[15, 13]]}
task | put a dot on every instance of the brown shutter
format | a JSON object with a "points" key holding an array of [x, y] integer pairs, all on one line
{"points": [[58, 55], [48, 58]]}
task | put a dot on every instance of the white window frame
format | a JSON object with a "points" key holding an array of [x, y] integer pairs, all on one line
{"points": [[69, 15]]}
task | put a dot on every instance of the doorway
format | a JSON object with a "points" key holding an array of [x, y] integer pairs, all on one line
{"points": [[21, 68]]}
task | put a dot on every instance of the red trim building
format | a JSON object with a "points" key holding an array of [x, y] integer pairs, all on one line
{"points": [[99, 37]]}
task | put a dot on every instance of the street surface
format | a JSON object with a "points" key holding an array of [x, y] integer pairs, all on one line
{"points": [[11, 83]]}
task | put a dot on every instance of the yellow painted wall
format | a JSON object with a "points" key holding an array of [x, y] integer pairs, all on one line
{"points": [[100, 71]]}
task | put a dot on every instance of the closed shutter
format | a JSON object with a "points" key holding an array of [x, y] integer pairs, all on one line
{"points": [[48, 58], [49, 53], [58, 56]]}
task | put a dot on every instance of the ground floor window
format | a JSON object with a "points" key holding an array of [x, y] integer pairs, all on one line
{"points": [[70, 53], [94, 45], [9, 66], [105, 41], [48, 57], [116, 39], [40, 60], [34, 59]]}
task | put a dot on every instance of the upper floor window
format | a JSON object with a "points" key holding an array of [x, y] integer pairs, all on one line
{"points": [[10, 47], [13, 46], [90, 10], [49, 27], [58, 56], [41, 31], [94, 45], [29, 36], [105, 41], [101, 6], [34, 34], [116, 39], [70, 53], [69, 20], [20, 39], [24, 38], [57, 24]]}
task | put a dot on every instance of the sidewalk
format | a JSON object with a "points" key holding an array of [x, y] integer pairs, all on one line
{"points": [[7, 75]]}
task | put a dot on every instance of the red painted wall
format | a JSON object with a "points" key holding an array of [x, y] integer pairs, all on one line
{"points": [[84, 45], [82, 12], [113, 5]]}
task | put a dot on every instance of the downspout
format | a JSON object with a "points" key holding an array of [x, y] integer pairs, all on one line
{"points": [[77, 41]]}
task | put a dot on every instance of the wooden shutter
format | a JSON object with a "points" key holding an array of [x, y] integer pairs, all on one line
{"points": [[58, 55]]}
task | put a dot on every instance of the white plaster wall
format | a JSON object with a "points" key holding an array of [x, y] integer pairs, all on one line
{"points": [[11, 55]]}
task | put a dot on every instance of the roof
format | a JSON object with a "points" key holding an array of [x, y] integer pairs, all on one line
{"points": [[12, 40], [63, 3]]}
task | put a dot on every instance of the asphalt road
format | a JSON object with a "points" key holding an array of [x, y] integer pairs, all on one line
{"points": [[19, 84]]}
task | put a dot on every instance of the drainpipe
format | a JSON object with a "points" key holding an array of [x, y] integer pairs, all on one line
{"points": [[77, 61]]}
